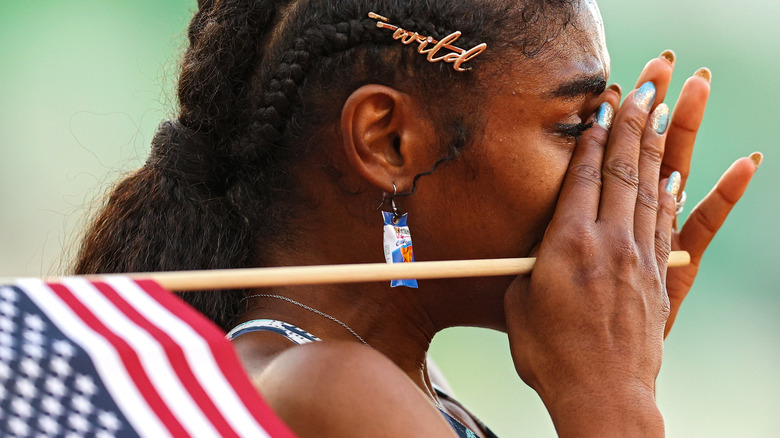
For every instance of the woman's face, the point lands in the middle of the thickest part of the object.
(500, 194)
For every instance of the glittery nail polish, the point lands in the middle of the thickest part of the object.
(673, 186)
(604, 115)
(660, 119)
(757, 158)
(645, 96)
(705, 73)
(669, 56)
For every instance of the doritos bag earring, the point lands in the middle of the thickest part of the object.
(397, 239)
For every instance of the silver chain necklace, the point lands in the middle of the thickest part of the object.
(311, 309)
(337, 321)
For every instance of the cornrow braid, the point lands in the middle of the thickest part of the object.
(221, 58)
(258, 80)
(271, 116)
(288, 75)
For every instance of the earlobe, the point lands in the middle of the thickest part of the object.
(382, 138)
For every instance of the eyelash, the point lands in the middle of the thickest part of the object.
(574, 130)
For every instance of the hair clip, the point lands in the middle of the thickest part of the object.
(457, 57)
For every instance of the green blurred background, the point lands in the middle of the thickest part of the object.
(83, 84)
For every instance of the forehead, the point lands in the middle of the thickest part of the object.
(575, 59)
(587, 33)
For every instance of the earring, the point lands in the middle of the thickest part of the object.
(397, 238)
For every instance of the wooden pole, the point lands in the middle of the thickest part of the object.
(356, 273)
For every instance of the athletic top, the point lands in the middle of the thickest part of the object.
(300, 336)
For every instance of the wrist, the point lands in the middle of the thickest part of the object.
(611, 411)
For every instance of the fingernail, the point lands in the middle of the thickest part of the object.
(660, 118)
(604, 115)
(616, 88)
(757, 158)
(705, 73)
(645, 96)
(669, 56)
(673, 186)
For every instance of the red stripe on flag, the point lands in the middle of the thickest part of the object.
(176, 357)
(225, 356)
(129, 358)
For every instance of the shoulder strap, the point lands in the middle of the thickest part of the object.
(443, 395)
(293, 333)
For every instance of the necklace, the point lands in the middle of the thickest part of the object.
(339, 322)
(311, 309)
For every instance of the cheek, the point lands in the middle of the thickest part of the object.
(533, 169)
(524, 183)
(495, 200)
(545, 176)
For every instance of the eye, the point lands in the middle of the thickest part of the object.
(573, 130)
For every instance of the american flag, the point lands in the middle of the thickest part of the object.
(119, 358)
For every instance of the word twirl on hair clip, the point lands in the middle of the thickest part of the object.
(457, 57)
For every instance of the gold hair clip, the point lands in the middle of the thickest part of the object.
(457, 57)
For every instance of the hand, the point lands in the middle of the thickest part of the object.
(707, 217)
(586, 329)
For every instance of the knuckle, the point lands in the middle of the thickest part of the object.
(580, 244)
(663, 244)
(652, 152)
(586, 173)
(666, 204)
(726, 199)
(698, 215)
(597, 139)
(581, 240)
(590, 278)
(684, 129)
(665, 308)
(622, 171)
(581, 232)
(647, 197)
(625, 252)
(635, 126)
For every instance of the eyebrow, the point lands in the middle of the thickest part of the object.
(580, 86)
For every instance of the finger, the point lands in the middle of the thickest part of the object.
(665, 220)
(686, 119)
(617, 89)
(706, 218)
(581, 190)
(650, 155)
(620, 172)
(659, 71)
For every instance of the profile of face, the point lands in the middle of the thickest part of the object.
(498, 197)
(271, 147)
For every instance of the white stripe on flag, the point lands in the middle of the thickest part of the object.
(107, 362)
(198, 355)
(152, 356)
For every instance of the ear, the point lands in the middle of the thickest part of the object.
(386, 137)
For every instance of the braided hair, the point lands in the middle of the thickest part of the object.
(258, 80)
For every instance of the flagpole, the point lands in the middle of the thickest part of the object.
(353, 273)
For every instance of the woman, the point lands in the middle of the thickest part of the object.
(298, 118)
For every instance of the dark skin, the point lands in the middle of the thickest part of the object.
(599, 302)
